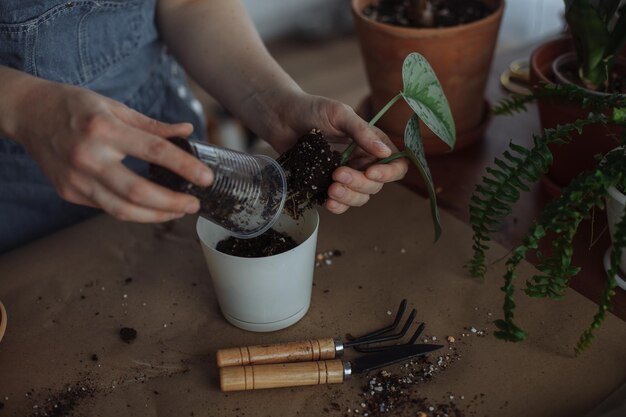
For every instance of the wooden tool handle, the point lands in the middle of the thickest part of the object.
(249, 377)
(304, 351)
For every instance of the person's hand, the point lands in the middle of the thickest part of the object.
(79, 139)
(339, 122)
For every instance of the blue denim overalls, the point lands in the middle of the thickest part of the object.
(109, 46)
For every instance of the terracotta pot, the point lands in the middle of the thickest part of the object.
(580, 154)
(461, 57)
(3, 321)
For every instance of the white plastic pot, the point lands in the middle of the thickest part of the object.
(615, 203)
(263, 294)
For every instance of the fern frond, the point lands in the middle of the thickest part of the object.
(515, 103)
(494, 198)
(562, 92)
(563, 217)
(619, 246)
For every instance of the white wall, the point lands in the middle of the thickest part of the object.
(530, 20)
(277, 17)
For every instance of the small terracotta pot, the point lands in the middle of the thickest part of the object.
(461, 57)
(580, 154)
(3, 321)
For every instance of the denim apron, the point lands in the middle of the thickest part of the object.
(109, 46)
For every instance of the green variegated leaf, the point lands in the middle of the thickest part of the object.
(415, 151)
(423, 93)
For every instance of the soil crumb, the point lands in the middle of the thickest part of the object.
(309, 167)
(428, 13)
(128, 334)
(269, 243)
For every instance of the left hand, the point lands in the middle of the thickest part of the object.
(339, 123)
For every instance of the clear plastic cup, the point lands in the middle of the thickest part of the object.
(248, 192)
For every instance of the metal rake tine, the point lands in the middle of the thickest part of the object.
(411, 341)
(375, 333)
(397, 336)
(417, 333)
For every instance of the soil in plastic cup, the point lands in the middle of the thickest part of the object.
(248, 192)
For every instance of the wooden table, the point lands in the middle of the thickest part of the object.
(68, 296)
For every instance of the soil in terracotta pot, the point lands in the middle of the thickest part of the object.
(428, 13)
(309, 167)
(269, 243)
(616, 85)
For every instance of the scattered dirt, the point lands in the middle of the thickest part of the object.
(128, 334)
(428, 13)
(269, 243)
(63, 403)
(326, 258)
(309, 167)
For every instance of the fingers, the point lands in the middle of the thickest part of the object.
(353, 188)
(371, 139)
(345, 195)
(393, 171)
(159, 151)
(144, 193)
(336, 207)
(356, 181)
(121, 209)
(147, 124)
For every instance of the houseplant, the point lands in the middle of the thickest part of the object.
(560, 219)
(422, 93)
(271, 292)
(593, 51)
(460, 54)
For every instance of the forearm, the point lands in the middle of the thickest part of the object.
(217, 44)
(17, 90)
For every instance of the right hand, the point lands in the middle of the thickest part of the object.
(79, 139)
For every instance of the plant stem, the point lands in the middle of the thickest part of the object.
(392, 157)
(346, 154)
(384, 109)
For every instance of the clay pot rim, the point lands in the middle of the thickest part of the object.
(3, 320)
(543, 77)
(534, 66)
(408, 32)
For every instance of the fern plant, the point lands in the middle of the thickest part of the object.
(511, 176)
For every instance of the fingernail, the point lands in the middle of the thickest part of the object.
(344, 178)
(205, 178)
(339, 192)
(374, 175)
(382, 147)
(333, 204)
(191, 208)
